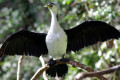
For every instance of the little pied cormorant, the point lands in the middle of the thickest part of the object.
(58, 41)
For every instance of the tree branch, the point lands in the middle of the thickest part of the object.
(19, 65)
(80, 76)
(73, 63)
(43, 64)
(39, 72)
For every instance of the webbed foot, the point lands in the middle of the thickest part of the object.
(51, 62)
(64, 60)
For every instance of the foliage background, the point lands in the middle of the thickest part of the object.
(31, 14)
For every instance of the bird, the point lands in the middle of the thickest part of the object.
(58, 41)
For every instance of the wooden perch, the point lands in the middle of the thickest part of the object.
(43, 64)
(80, 76)
(73, 63)
(40, 72)
(19, 65)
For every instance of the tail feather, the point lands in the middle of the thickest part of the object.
(60, 70)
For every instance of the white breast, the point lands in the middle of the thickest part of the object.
(56, 41)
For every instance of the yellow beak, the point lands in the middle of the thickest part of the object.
(47, 6)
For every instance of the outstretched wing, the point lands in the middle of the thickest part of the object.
(89, 33)
(25, 43)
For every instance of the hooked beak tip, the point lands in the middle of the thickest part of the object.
(46, 6)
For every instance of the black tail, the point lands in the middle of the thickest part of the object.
(59, 70)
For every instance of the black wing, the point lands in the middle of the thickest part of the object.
(88, 33)
(25, 43)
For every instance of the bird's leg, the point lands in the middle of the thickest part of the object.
(51, 62)
(63, 59)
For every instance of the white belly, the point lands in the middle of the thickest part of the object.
(56, 44)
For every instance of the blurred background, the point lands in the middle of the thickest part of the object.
(33, 16)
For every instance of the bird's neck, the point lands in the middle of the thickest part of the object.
(54, 22)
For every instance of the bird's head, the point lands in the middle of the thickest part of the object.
(52, 7)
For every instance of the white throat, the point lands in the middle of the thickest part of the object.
(54, 22)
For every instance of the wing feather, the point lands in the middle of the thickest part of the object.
(25, 43)
(89, 33)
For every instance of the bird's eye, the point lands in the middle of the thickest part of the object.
(51, 5)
